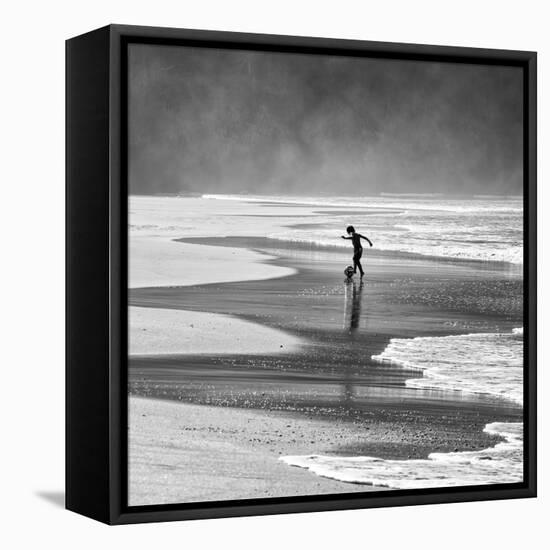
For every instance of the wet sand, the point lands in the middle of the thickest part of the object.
(400, 296)
(364, 407)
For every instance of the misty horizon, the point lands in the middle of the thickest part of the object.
(450, 196)
(244, 122)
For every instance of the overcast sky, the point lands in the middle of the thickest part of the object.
(227, 121)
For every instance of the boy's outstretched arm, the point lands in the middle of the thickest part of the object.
(347, 238)
(366, 239)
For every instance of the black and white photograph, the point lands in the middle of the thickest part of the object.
(274, 275)
(325, 274)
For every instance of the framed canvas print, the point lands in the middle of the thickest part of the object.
(300, 274)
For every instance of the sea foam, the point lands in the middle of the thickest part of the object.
(502, 463)
(486, 363)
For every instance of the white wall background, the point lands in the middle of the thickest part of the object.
(32, 253)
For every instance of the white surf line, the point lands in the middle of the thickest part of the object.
(502, 463)
(372, 202)
(453, 362)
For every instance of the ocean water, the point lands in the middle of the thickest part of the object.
(490, 364)
(476, 228)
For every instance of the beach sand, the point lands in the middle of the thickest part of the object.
(155, 331)
(160, 262)
(225, 418)
(193, 453)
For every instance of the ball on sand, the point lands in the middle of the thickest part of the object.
(348, 271)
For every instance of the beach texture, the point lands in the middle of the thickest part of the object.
(174, 331)
(268, 358)
(192, 453)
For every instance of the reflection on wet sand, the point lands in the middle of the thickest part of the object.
(352, 310)
(353, 292)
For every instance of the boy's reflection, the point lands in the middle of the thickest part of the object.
(352, 313)
(352, 317)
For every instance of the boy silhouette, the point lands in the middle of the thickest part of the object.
(357, 248)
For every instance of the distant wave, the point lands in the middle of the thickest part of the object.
(428, 227)
(499, 197)
(402, 238)
(412, 195)
(377, 202)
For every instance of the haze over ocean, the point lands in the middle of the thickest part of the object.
(231, 121)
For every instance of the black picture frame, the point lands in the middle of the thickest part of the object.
(96, 267)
